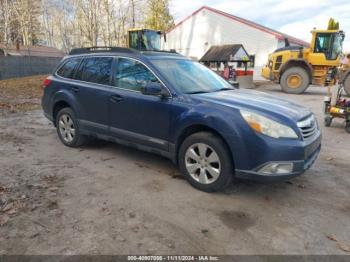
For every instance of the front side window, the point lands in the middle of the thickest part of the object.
(95, 70)
(67, 70)
(132, 75)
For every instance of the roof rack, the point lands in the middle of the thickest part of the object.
(172, 51)
(100, 49)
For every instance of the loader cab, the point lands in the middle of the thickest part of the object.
(144, 39)
(327, 44)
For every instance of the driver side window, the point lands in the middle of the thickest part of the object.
(323, 42)
(132, 75)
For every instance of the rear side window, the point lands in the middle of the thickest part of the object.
(132, 75)
(67, 70)
(95, 70)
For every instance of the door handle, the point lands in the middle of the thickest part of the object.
(75, 89)
(116, 98)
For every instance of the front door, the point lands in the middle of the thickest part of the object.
(139, 118)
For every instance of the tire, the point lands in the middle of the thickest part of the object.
(296, 75)
(198, 163)
(68, 129)
(347, 85)
(347, 127)
(328, 121)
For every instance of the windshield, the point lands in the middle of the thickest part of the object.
(330, 44)
(191, 77)
(150, 40)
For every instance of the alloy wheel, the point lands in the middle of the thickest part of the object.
(66, 128)
(202, 163)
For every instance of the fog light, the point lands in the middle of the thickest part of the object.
(276, 168)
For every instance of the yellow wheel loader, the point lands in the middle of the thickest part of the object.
(144, 39)
(296, 67)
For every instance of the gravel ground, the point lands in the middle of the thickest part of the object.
(109, 199)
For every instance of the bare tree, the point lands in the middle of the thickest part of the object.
(27, 13)
(73, 23)
(19, 21)
(5, 21)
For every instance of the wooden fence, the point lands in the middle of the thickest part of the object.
(20, 66)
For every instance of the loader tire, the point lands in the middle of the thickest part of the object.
(295, 80)
(347, 84)
(347, 127)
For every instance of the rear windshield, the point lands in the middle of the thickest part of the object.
(191, 77)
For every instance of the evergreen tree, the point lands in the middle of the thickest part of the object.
(158, 16)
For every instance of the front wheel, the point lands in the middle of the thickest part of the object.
(206, 162)
(347, 84)
(295, 80)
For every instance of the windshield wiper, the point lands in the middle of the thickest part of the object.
(224, 89)
(202, 92)
(198, 92)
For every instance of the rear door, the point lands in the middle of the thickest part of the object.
(92, 90)
(144, 119)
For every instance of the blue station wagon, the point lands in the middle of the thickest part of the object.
(164, 103)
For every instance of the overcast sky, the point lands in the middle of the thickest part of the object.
(294, 17)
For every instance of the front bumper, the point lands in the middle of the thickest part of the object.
(311, 152)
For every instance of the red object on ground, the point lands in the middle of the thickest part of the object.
(244, 73)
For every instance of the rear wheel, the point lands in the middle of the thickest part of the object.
(347, 126)
(347, 84)
(68, 128)
(206, 162)
(295, 80)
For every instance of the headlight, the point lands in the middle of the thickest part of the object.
(267, 126)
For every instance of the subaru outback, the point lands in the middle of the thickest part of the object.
(165, 103)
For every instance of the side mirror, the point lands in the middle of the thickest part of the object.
(154, 89)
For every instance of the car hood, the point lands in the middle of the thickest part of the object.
(256, 101)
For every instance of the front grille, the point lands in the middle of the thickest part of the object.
(308, 127)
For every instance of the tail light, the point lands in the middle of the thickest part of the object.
(47, 82)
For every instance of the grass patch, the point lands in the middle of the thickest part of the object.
(21, 94)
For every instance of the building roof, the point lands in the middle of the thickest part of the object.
(257, 26)
(45, 51)
(225, 53)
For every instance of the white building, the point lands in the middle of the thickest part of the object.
(207, 26)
